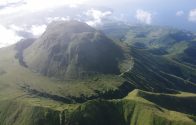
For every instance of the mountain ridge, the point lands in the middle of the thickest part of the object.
(66, 50)
(123, 84)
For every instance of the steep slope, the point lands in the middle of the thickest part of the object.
(182, 102)
(132, 110)
(17, 113)
(73, 49)
(173, 43)
(160, 74)
(75, 75)
(164, 59)
(90, 58)
(126, 112)
(187, 56)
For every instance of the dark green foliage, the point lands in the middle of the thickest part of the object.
(175, 103)
(20, 47)
(189, 55)
(120, 92)
(122, 112)
(159, 74)
(16, 113)
(97, 113)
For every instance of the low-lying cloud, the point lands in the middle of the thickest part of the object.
(180, 13)
(96, 16)
(192, 15)
(143, 16)
(38, 30)
(51, 19)
(8, 37)
(34, 5)
(12, 34)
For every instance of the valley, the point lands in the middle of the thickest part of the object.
(78, 75)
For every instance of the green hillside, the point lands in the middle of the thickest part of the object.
(160, 74)
(131, 110)
(73, 49)
(77, 75)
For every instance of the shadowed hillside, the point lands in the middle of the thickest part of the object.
(76, 75)
(73, 49)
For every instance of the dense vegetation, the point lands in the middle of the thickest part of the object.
(122, 75)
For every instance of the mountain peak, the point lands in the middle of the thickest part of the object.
(69, 27)
(72, 49)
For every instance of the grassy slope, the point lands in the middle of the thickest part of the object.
(15, 113)
(15, 76)
(126, 112)
(17, 107)
(132, 110)
(182, 102)
(173, 43)
(163, 58)
(159, 74)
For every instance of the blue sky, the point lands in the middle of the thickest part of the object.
(29, 18)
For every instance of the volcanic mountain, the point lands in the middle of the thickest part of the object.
(118, 75)
(73, 49)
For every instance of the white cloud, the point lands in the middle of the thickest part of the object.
(36, 5)
(179, 13)
(16, 28)
(96, 16)
(38, 30)
(73, 5)
(8, 36)
(144, 16)
(51, 19)
(192, 15)
(6, 2)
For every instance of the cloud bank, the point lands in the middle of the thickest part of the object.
(179, 13)
(27, 18)
(192, 15)
(37, 30)
(26, 6)
(8, 36)
(96, 16)
(143, 16)
(51, 19)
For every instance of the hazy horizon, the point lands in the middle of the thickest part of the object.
(29, 18)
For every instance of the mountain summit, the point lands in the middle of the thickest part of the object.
(70, 76)
(72, 49)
